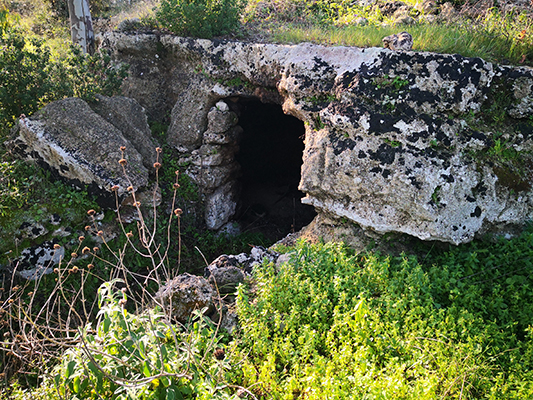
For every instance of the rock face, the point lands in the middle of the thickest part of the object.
(184, 294)
(83, 147)
(435, 146)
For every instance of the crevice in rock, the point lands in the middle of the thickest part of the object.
(270, 157)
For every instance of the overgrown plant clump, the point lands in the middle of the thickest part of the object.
(200, 18)
(332, 324)
(143, 356)
(32, 77)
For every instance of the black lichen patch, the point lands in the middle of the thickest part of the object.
(385, 154)
(479, 190)
(321, 65)
(341, 144)
(415, 182)
(476, 213)
(382, 123)
(349, 80)
(448, 178)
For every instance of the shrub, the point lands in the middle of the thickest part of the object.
(200, 18)
(129, 356)
(32, 78)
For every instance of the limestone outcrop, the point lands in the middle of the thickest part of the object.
(435, 146)
(83, 146)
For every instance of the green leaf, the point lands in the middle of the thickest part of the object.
(106, 324)
(76, 384)
(147, 369)
(171, 394)
(176, 393)
(70, 369)
(165, 381)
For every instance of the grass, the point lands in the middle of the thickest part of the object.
(429, 38)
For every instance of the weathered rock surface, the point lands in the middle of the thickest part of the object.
(184, 294)
(129, 117)
(37, 261)
(395, 141)
(400, 42)
(82, 147)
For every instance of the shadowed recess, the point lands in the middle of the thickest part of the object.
(270, 156)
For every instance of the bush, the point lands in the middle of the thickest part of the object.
(128, 356)
(200, 18)
(31, 77)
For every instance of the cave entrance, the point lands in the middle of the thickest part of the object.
(270, 156)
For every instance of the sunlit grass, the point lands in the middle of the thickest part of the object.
(448, 39)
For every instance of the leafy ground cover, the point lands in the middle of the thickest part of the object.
(333, 324)
(329, 323)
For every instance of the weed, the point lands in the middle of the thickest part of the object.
(322, 99)
(386, 81)
(318, 124)
(435, 196)
(392, 143)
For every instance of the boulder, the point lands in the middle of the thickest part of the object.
(184, 294)
(431, 145)
(80, 146)
(129, 117)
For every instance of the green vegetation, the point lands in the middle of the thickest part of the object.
(34, 78)
(143, 350)
(200, 18)
(329, 323)
(332, 324)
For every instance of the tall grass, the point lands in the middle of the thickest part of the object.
(448, 39)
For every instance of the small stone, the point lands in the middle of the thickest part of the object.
(399, 42)
(222, 106)
(220, 121)
(32, 230)
(184, 294)
(448, 12)
(404, 20)
(225, 279)
(55, 219)
(427, 7)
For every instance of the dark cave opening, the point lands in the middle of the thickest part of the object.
(270, 156)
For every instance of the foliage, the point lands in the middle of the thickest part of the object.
(33, 78)
(11, 192)
(331, 324)
(200, 18)
(28, 194)
(143, 356)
